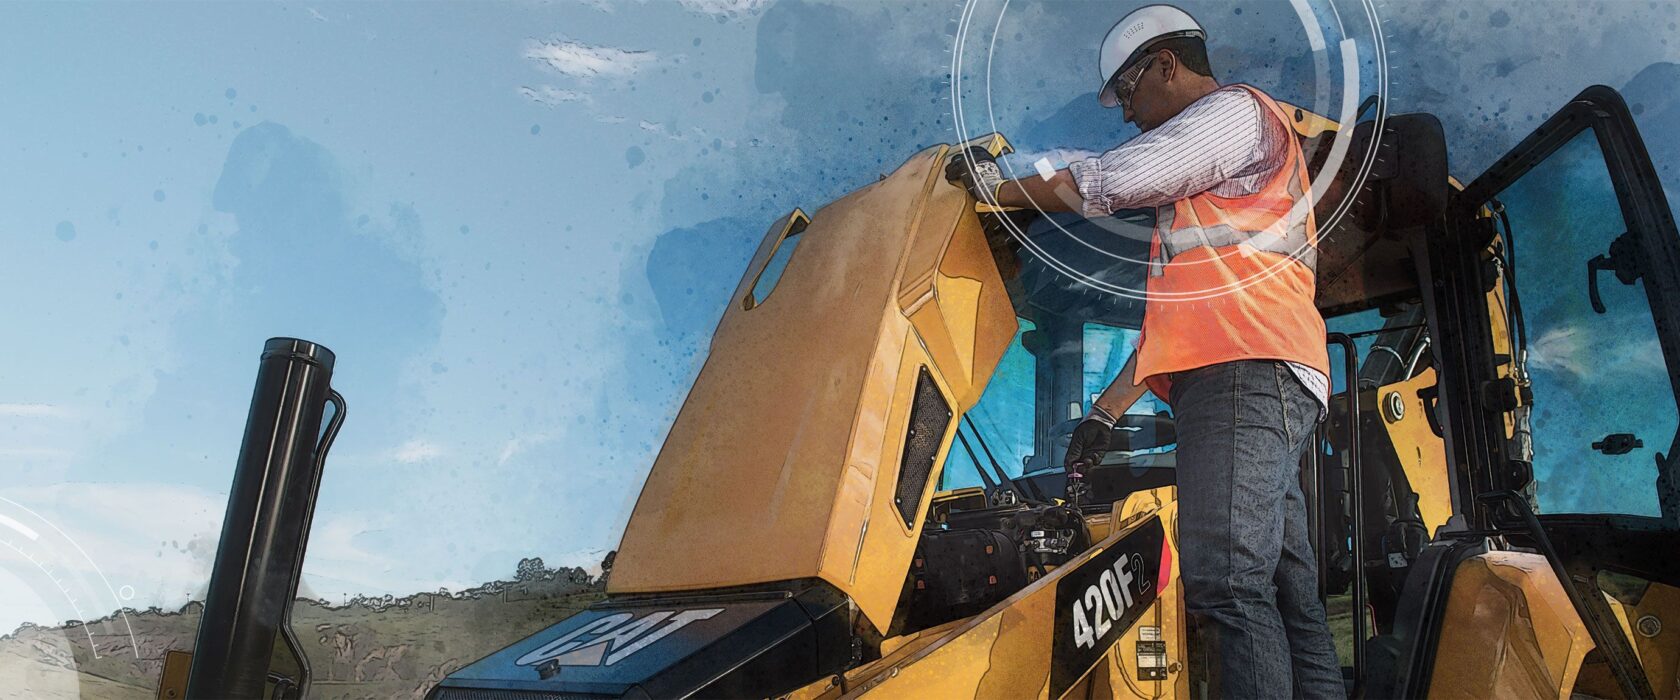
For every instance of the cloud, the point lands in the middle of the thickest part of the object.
(155, 543)
(580, 60)
(152, 541)
(416, 450)
(345, 560)
(520, 444)
(726, 8)
(588, 559)
(1559, 349)
(31, 410)
(551, 96)
(1583, 353)
(674, 135)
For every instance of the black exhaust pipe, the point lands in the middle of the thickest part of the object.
(259, 559)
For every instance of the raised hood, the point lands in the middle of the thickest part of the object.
(784, 462)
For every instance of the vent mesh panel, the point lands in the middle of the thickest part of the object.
(930, 417)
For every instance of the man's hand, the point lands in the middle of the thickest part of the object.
(976, 170)
(1090, 440)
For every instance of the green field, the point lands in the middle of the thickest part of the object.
(1340, 611)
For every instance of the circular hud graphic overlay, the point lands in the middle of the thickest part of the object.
(70, 587)
(1331, 61)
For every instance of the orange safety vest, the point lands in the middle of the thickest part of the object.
(1232, 278)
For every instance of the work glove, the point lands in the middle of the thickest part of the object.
(1090, 440)
(975, 170)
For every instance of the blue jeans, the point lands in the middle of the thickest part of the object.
(1250, 578)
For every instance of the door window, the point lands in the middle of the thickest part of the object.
(1603, 406)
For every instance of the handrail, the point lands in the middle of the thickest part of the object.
(1350, 365)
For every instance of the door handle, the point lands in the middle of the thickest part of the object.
(1618, 444)
(1622, 259)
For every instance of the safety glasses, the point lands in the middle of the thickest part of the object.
(1126, 83)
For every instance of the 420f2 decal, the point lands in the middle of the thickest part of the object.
(1097, 602)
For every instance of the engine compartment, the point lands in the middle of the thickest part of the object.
(969, 559)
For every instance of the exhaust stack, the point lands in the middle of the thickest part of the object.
(260, 556)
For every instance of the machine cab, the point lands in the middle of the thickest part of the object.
(1506, 358)
(1561, 294)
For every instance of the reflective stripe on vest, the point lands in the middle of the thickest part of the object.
(1295, 243)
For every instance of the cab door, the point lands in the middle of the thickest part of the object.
(1577, 421)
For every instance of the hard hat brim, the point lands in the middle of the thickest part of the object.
(1107, 97)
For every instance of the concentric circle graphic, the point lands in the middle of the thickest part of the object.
(66, 582)
(1348, 54)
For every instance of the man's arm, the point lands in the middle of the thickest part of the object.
(1220, 137)
(977, 171)
(1123, 391)
(1215, 139)
(1089, 441)
(1059, 193)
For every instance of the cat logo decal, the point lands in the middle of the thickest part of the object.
(611, 639)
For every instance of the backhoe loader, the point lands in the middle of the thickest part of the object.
(862, 494)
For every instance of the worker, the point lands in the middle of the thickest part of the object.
(1230, 338)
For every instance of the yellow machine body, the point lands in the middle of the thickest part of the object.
(1005, 652)
(782, 462)
(1514, 632)
(793, 430)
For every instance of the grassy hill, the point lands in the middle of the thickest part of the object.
(370, 648)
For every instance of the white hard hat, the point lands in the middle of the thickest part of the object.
(1142, 27)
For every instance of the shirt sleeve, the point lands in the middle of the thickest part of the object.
(1219, 137)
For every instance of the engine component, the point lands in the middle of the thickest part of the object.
(957, 573)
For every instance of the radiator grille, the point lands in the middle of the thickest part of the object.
(930, 417)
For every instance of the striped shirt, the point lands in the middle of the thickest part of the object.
(1225, 143)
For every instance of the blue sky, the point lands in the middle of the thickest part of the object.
(516, 224)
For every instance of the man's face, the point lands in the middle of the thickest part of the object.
(1146, 108)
